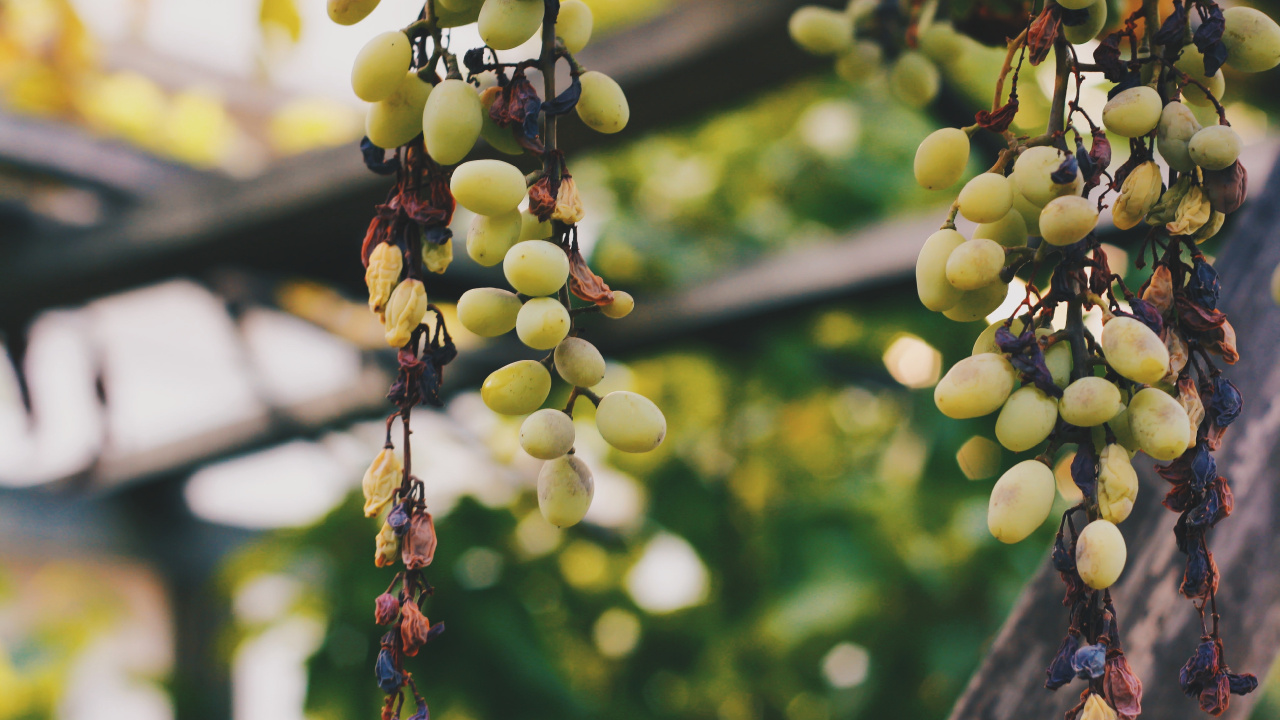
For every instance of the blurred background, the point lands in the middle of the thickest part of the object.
(192, 385)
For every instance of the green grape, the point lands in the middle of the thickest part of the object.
(516, 389)
(914, 79)
(1031, 176)
(547, 434)
(1090, 401)
(1020, 501)
(1089, 29)
(1124, 434)
(1010, 231)
(542, 323)
(501, 139)
(975, 305)
(579, 362)
(975, 264)
(1075, 4)
(1159, 424)
(488, 312)
(621, 306)
(1275, 285)
(487, 187)
(630, 422)
(602, 105)
(859, 62)
(1177, 126)
(573, 25)
(986, 341)
(1117, 484)
(380, 66)
(986, 198)
(1067, 487)
(565, 489)
(936, 293)
(1191, 62)
(1067, 220)
(820, 30)
(1134, 350)
(1215, 147)
(458, 5)
(1100, 554)
(1252, 39)
(941, 158)
(396, 120)
(942, 44)
(489, 237)
(536, 267)
(450, 18)
(977, 385)
(350, 12)
(451, 122)
(1134, 112)
(1030, 213)
(1026, 419)
(505, 24)
(531, 228)
(1058, 359)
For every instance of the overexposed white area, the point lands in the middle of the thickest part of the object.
(846, 665)
(265, 598)
(269, 670)
(669, 576)
(913, 362)
(295, 361)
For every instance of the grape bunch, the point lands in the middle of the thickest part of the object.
(429, 109)
(1150, 382)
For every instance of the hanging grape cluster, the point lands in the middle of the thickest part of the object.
(1151, 381)
(429, 109)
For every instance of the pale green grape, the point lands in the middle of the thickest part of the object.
(396, 120)
(977, 385)
(975, 264)
(1134, 350)
(975, 305)
(1026, 419)
(1031, 176)
(451, 122)
(1100, 554)
(986, 198)
(579, 362)
(859, 62)
(1009, 231)
(488, 312)
(1020, 501)
(458, 5)
(942, 44)
(1191, 62)
(1058, 359)
(936, 293)
(449, 18)
(505, 24)
(547, 434)
(1124, 433)
(350, 12)
(1275, 285)
(1089, 401)
(941, 158)
(1133, 112)
(1089, 29)
(602, 105)
(536, 267)
(1252, 39)
(573, 25)
(1075, 4)
(489, 237)
(1030, 213)
(621, 306)
(1159, 424)
(501, 139)
(542, 323)
(531, 228)
(630, 422)
(1117, 484)
(380, 66)
(986, 341)
(1215, 147)
(914, 79)
(1067, 220)
(820, 30)
(516, 389)
(565, 489)
(1177, 126)
(487, 187)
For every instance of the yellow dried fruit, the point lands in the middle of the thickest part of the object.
(568, 208)
(1138, 194)
(405, 310)
(387, 547)
(385, 264)
(381, 480)
(436, 257)
(1166, 209)
(1192, 213)
(1179, 353)
(1210, 228)
(1095, 708)
(1159, 290)
(1189, 399)
(1117, 484)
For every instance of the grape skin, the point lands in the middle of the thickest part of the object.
(1067, 220)
(350, 12)
(975, 264)
(1089, 29)
(536, 267)
(935, 292)
(489, 237)
(542, 323)
(914, 79)
(986, 198)
(1031, 175)
(1134, 350)
(451, 121)
(621, 306)
(1191, 62)
(500, 139)
(516, 389)
(1159, 424)
(487, 187)
(1100, 554)
(977, 385)
(1020, 501)
(573, 25)
(380, 66)
(820, 30)
(1216, 147)
(986, 341)
(505, 24)
(602, 105)
(1067, 487)
(1089, 401)
(1117, 484)
(941, 158)
(1009, 231)
(547, 434)
(1133, 112)
(1030, 212)
(859, 62)
(1177, 126)
(1059, 361)
(531, 228)
(565, 489)
(1026, 419)
(579, 362)
(488, 312)
(630, 422)
(396, 120)
(1252, 39)
(975, 305)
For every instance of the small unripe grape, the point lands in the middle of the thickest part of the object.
(579, 362)
(1252, 39)
(986, 198)
(975, 264)
(516, 389)
(1159, 424)
(975, 305)
(1032, 176)
(505, 24)
(1117, 484)
(380, 66)
(573, 25)
(1020, 501)
(1067, 487)
(1009, 231)
(350, 12)
(1134, 350)
(1177, 126)
(536, 267)
(1133, 112)
(1191, 62)
(489, 237)
(602, 105)
(565, 489)
(859, 62)
(450, 18)
(941, 158)
(621, 306)
(1090, 401)
(1089, 29)
(1026, 419)
(942, 44)
(914, 79)
(1067, 220)
(542, 323)
(547, 434)
(1100, 554)
(487, 187)
(1124, 434)
(936, 293)
(1058, 359)
(986, 341)
(820, 30)
(1139, 193)
(977, 385)
(630, 422)
(451, 122)
(488, 312)
(396, 120)
(1215, 147)
(1030, 212)
(531, 228)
